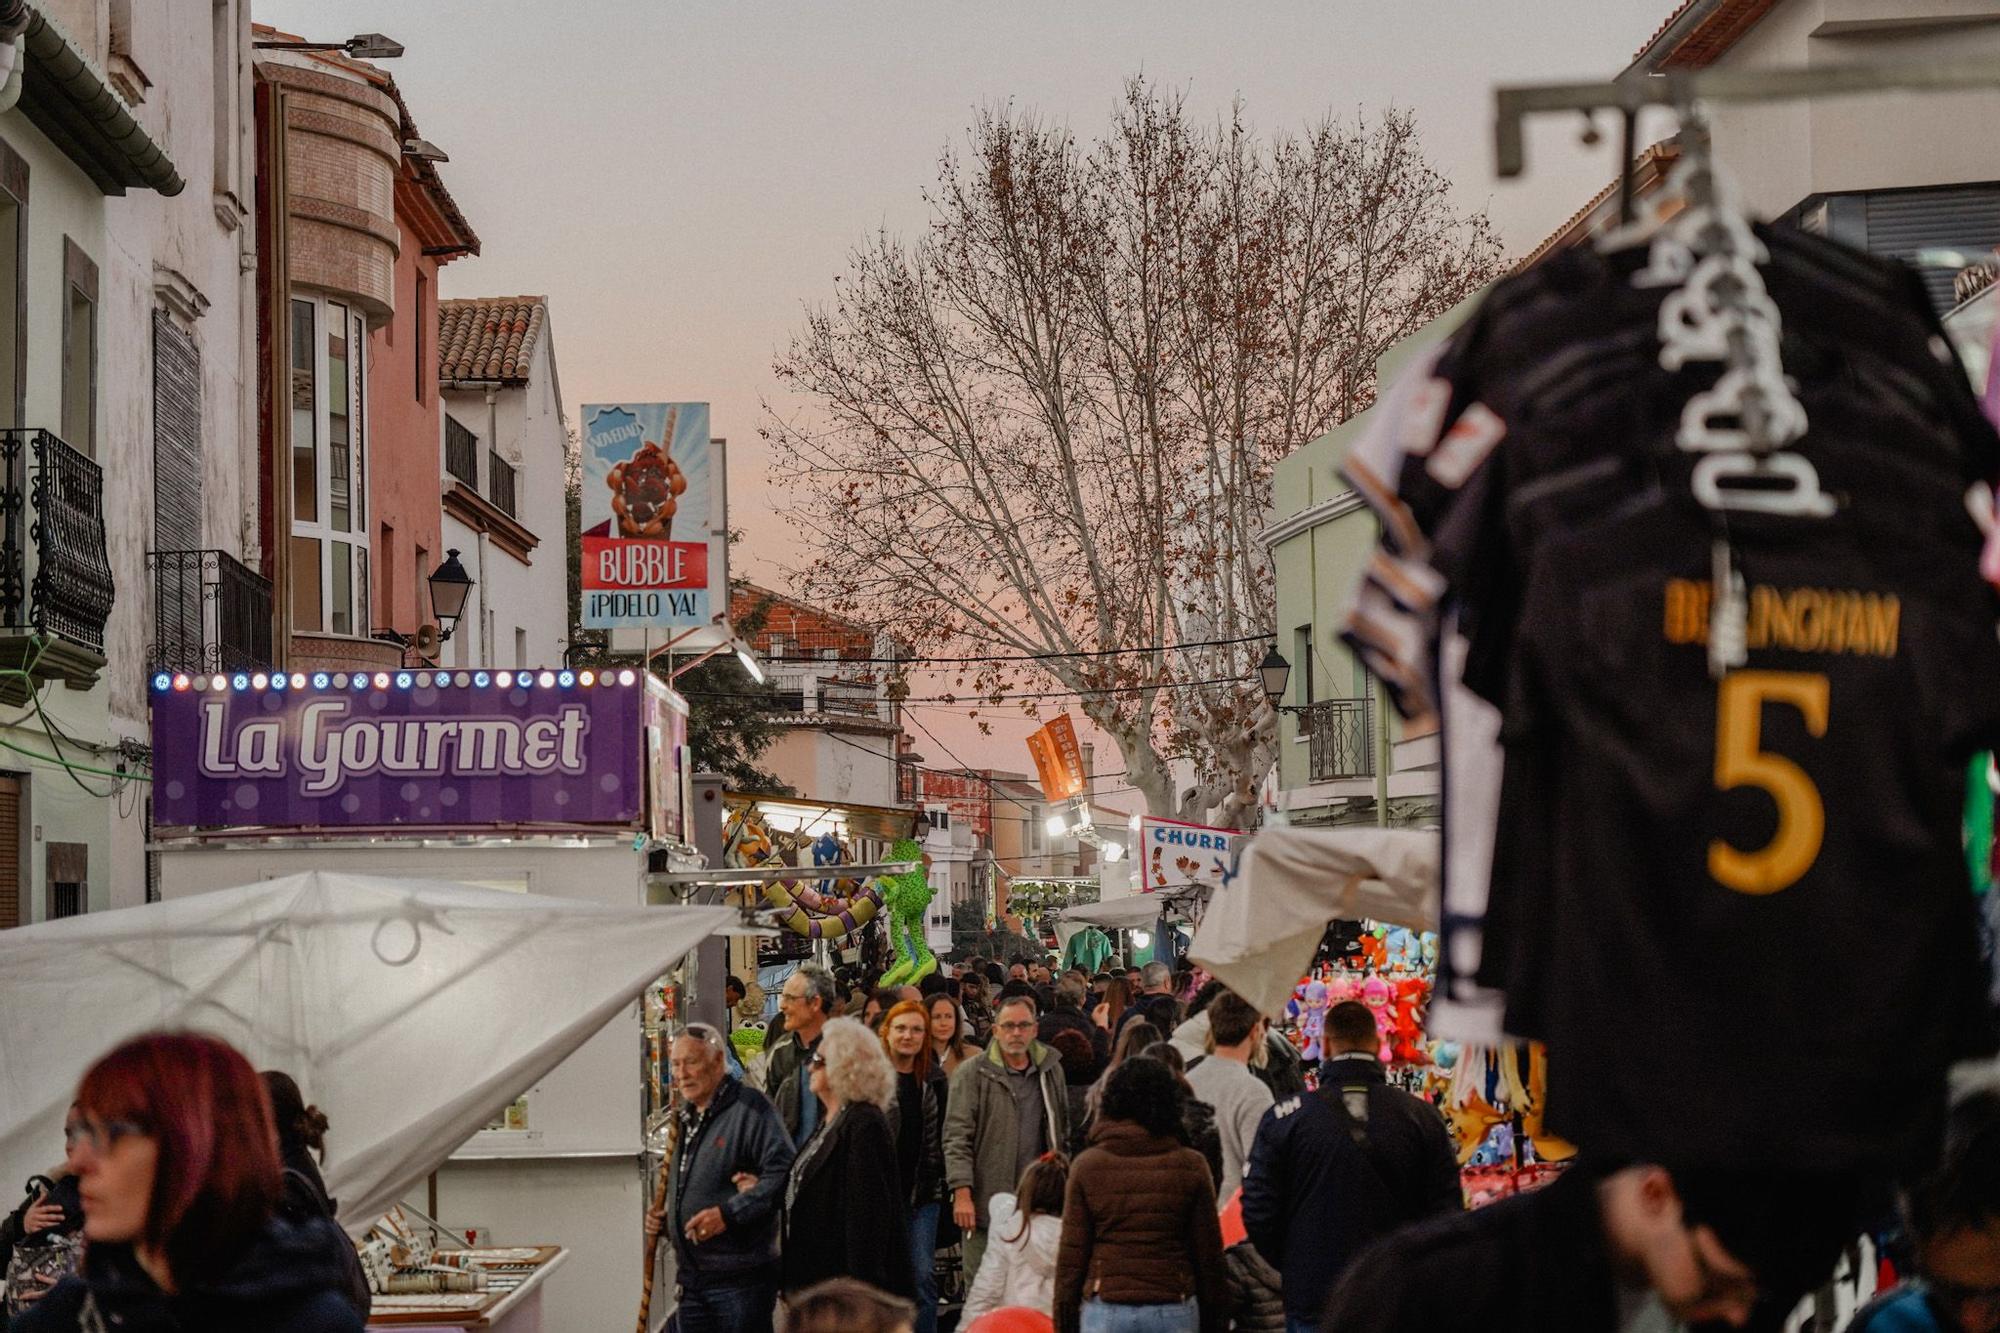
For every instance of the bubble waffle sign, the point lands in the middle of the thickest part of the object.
(410, 748)
(649, 487)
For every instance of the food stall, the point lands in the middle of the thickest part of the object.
(559, 783)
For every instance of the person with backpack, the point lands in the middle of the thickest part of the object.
(1019, 1271)
(1334, 1169)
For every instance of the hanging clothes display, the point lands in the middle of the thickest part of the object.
(1675, 541)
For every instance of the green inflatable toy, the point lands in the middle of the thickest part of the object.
(906, 896)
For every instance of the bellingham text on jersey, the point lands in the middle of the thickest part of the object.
(1799, 620)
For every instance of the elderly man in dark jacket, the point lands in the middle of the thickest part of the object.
(1332, 1170)
(725, 1238)
(1067, 1014)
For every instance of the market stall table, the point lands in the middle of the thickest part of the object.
(512, 1304)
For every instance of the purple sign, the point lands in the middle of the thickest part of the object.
(423, 749)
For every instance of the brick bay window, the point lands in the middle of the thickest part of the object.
(329, 556)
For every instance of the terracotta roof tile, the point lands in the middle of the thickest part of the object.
(1711, 37)
(489, 337)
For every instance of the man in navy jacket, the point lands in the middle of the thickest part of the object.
(1334, 1169)
(725, 1237)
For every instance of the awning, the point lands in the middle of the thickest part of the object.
(65, 97)
(1137, 911)
(1263, 926)
(408, 1010)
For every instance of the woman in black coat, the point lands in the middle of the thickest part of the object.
(845, 1212)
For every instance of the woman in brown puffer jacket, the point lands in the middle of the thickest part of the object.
(1141, 1245)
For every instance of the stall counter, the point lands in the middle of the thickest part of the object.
(515, 1308)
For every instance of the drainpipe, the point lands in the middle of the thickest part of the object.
(491, 389)
(14, 18)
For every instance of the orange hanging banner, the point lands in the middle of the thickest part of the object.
(1058, 759)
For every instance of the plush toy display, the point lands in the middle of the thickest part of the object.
(906, 896)
(748, 844)
(1308, 1009)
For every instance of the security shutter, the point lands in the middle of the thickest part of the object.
(176, 438)
(10, 852)
(1959, 217)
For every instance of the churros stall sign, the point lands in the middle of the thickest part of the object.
(648, 482)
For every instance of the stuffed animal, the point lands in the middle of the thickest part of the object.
(1308, 1011)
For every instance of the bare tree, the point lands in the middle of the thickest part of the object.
(1048, 426)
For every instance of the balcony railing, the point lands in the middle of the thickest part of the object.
(210, 613)
(69, 592)
(1341, 735)
(500, 474)
(461, 452)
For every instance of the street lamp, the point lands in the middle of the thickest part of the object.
(450, 586)
(1276, 671)
(362, 46)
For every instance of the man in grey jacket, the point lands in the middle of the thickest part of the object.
(1006, 1108)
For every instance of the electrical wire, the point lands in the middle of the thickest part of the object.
(1032, 657)
(983, 700)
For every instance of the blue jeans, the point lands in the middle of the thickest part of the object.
(1104, 1317)
(715, 1307)
(923, 1258)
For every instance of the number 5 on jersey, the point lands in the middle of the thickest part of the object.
(1740, 761)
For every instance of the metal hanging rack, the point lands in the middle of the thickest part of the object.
(1680, 89)
(1742, 426)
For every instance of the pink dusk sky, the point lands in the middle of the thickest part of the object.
(681, 177)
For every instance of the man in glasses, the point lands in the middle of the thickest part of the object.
(1631, 1247)
(807, 1001)
(1953, 1218)
(1004, 1109)
(724, 1194)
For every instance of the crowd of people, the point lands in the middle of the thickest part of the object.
(1074, 1139)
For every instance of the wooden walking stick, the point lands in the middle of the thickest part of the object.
(659, 1206)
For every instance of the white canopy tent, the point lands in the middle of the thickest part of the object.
(408, 1010)
(1263, 926)
(1138, 911)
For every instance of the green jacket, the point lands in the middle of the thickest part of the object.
(979, 1131)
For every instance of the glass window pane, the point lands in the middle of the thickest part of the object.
(342, 600)
(339, 455)
(306, 585)
(305, 417)
(364, 622)
(358, 418)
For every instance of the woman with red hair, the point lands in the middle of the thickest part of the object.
(920, 1106)
(178, 1157)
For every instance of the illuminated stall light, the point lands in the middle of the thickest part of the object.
(260, 681)
(503, 678)
(627, 676)
(239, 682)
(546, 680)
(565, 678)
(163, 681)
(180, 682)
(381, 680)
(321, 680)
(587, 678)
(481, 679)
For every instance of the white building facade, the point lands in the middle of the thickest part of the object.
(501, 460)
(128, 462)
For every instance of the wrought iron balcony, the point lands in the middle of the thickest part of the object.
(1341, 736)
(55, 602)
(211, 612)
